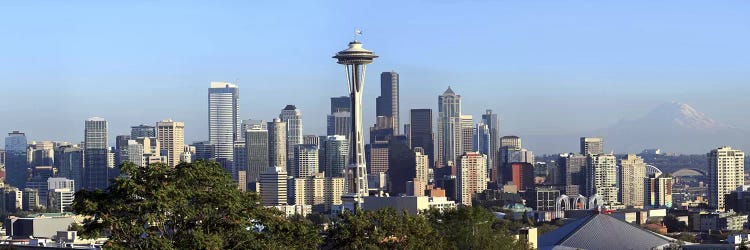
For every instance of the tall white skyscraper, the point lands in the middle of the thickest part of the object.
(277, 155)
(224, 120)
(601, 177)
(293, 119)
(633, 174)
(96, 153)
(726, 172)
(449, 128)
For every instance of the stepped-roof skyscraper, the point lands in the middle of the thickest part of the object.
(449, 128)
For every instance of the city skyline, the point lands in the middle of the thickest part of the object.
(673, 66)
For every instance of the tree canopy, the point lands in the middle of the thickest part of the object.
(190, 206)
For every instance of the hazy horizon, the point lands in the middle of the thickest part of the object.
(547, 68)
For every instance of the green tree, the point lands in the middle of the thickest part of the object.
(383, 229)
(473, 228)
(190, 206)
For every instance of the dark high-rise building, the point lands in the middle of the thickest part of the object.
(401, 166)
(71, 164)
(521, 174)
(142, 131)
(240, 159)
(572, 167)
(121, 149)
(339, 123)
(382, 131)
(204, 150)
(341, 104)
(16, 159)
(493, 124)
(256, 142)
(421, 132)
(96, 153)
(387, 103)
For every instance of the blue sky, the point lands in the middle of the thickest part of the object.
(547, 67)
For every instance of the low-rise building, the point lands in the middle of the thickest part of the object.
(722, 221)
(291, 210)
(39, 225)
(412, 204)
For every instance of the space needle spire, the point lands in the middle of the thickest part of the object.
(355, 60)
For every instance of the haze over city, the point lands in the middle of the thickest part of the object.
(547, 68)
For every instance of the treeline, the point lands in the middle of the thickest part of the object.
(198, 206)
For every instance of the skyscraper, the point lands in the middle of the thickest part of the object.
(16, 159)
(256, 143)
(240, 162)
(341, 104)
(378, 157)
(493, 125)
(273, 186)
(311, 139)
(293, 119)
(659, 191)
(318, 191)
(305, 160)
(224, 125)
(510, 141)
(339, 123)
(592, 145)
(142, 131)
(355, 58)
(382, 131)
(482, 144)
(449, 128)
(521, 174)
(387, 104)
(601, 177)
(422, 167)
(421, 132)
(171, 136)
(121, 149)
(134, 153)
(471, 176)
(633, 173)
(277, 143)
(573, 168)
(96, 154)
(726, 171)
(41, 153)
(71, 164)
(337, 155)
(467, 133)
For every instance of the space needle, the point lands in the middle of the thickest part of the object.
(355, 60)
